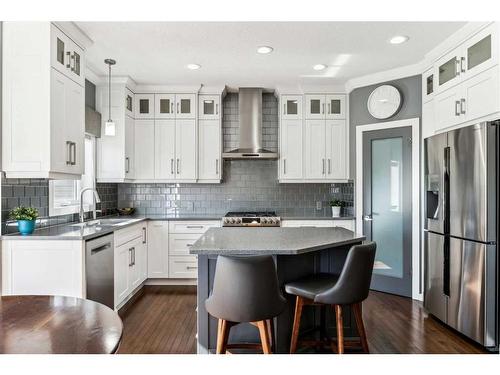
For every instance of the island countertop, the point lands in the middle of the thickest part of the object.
(272, 241)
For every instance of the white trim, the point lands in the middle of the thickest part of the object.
(416, 233)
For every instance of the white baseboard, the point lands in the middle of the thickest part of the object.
(171, 282)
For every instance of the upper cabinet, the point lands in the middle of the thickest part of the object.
(291, 106)
(209, 107)
(129, 103)
(43, 103)
(319, 107)
(463, 86)
(185, 105)
(165, 106)
(209, 138)
(144, 106)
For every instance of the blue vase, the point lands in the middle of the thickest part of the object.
(26, 226)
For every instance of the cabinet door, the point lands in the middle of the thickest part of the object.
(448, 71)
(336, 158)
(315, 107)
(209, 156)
(315, 163)
(480, 52)
(164, 106)
(209, 107)
(428, 119)
(183, 267)
(291, 107)
(158, 249)
(60, 47)
(129, 148)
(129, 103)
(291, 146)
(123, 262)
(135, 272)
(428, 85)
(165, 149)
(77, 64)
(447, 108)
(75, 126)
(185, 149)
(144, 149)
(60, 145)
(144, 106)
(185, 106)
(335, 107)
(480, 95)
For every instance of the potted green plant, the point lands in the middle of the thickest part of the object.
(336, 206)
(26, 218)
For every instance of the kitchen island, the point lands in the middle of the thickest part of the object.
(297, 252)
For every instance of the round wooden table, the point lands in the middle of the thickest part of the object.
(57, 325)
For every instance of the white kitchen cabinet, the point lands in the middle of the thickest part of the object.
(158, 249)
(164, 149)
(183, 267)
(447, 108)
(347, 224)
(428, 123)
(291, 150)
(129, 148)
(315, 149)
(185, 106)
(43, 122)
(144, 106)
(129, 103)
(196, 227)
(210, 149)
(144, 149)
(122, 281)
(66, 56)
(315, 107)
(43, 267)
(179, 243)
(335, 107)
(185, 149)
(209, 107)
(335, 150)
(138, 251)
(428, 85)
(164, 106)
(291, 107)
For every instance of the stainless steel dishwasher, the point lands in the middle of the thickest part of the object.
(99, 270)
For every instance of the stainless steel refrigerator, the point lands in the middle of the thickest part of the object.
(461, 216)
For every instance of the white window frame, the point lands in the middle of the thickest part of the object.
(75, 208)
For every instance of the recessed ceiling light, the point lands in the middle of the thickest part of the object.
(264, 49)
(398, 39)
(319, 66)
(194, 66)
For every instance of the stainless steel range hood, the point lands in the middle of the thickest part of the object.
(250, 142)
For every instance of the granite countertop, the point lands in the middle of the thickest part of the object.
(71, 232)
(271, 241)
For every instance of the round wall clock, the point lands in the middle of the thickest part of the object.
(384, 102)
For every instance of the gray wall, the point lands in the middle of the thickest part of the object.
(411, 90)
(247, 185)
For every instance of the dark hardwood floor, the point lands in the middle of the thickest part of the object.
(163, 320)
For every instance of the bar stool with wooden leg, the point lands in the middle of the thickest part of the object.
(350, 288)
(245, 291)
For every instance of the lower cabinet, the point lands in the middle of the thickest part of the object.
(168, 248)
(347, 224)
(130, 261)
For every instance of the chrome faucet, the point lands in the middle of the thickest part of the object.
(94, 211)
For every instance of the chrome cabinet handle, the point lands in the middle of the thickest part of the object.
(191, 268)
(216, 109)
(323, 161)
(329, 110)
(462, 106)
(462, 64)
(178, 169)
(127, 164)
(457, 67)
(172, 107)
(68, 152)
(329, 166)
(189, 244)
(284, 166)
(171, 166)
(284, 108)
(194, 226)
(323, 109)
(177, 107)
(68, 55)
(144, 235)
(133, 254)
(216, 166)
(457, 111)
(130, 264)
(72, 63)
(74, 154)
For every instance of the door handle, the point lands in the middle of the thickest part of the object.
(457, 67)
(100, 248)
(329, 109)
(68, 55)
(323, 109)
(172, 107)
(462, 64)
(329, 166)
(68, 152)
(284, 109)
(171, 166)
(462, 106)
(72, 63)
(368, 218)
(323, 161)
(133, 254)
(284, 166)
(127, 164)
(144, 235)
(130, 264)
(217, 166)
(216, 109)
(177, 107)
(457, 104)
(178, 168)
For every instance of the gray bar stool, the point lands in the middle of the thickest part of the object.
(351, 288)
(245, 291)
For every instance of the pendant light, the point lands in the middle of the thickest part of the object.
(109, 125)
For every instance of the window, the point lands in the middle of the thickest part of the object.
(64, 195)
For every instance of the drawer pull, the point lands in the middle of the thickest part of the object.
(189, 244)
(191, 267)
(194, 226)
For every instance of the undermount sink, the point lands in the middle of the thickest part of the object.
(101, 222)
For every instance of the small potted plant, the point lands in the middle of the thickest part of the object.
(336, 207)
(26, 218)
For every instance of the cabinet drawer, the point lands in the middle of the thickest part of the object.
(183, 267)
(192, 226)
(307, 223)
(123, 236)
(179, 244)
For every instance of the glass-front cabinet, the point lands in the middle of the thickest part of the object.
(164, 105)
(315, 107)
(335, 107)
(185, 106)
(144, 106)
(129, 103)
(209, 107)
(291, 107)
(66, 56)
(428, 85)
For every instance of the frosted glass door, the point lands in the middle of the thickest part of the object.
(387, 206)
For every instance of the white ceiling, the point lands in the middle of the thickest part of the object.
(158, 52)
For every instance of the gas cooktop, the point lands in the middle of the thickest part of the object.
(251, 219)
